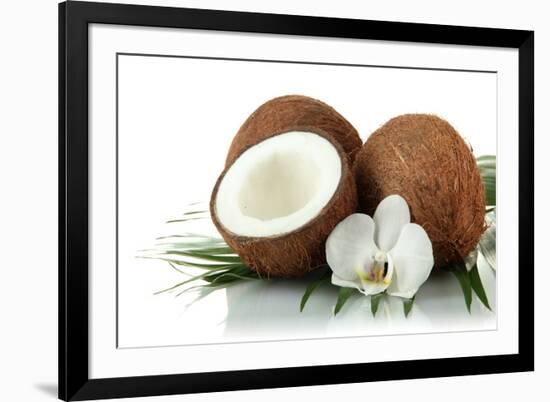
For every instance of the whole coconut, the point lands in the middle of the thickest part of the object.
(422, 158)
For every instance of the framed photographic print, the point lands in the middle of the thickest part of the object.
(258, 200)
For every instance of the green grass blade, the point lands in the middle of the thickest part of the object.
(460, 272)
(489, 185)
(213, 251)
(190, 235)
(408, 305)
(220, 263)
(177, 269)
(231, 276)
(210, 267)
(477, 286)
(198, 248)
(490, 192)
(226, 274)
(203, 211)
(343, 296)
(189, 289)
(487, 169)
(204, 256)
(486, 160)
(194, 247)
(177, 285)
(223, 278)
(310, 289)
(488, 241)
(192, 264)
(192, 242)
(375, 302)
(180, 220)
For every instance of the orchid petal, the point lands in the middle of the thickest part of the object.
(373, 288)
(391, 215)
(351, 245)
(337, 281)
(413, 261)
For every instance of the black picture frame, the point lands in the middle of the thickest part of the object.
(74, 381)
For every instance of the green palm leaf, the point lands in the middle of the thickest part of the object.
(487, 170)
(343, 295)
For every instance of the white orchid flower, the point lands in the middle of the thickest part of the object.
(387, 253)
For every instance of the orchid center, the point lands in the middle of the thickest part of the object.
(379, 272)
(380, 257)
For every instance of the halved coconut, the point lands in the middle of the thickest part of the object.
(292, 113)
(278, 201)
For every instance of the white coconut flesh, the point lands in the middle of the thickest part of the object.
(278, 185)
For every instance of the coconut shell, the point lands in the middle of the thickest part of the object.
(422, 158)
(290, 113)
(303, 250)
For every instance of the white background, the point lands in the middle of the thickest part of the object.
(29, 175)
(177, 118)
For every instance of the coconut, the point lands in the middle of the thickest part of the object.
(422, 158)
(294, 113)
(277, 202)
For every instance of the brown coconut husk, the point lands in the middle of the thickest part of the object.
(422, 158)
(289, 113)
(301, 251)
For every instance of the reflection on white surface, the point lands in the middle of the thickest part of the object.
(269, 310)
